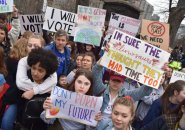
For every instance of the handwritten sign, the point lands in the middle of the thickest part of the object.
(135, 59)
(32, 23)
(74, 106)
(155, 33)
(177, 75)
(123, 23)
(56, 19)
(90, 22)
(6, 6)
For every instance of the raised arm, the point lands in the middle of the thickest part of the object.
(98, 85)
(138, 93)
(13, 34)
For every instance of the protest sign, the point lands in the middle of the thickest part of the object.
(70, 77)
(6, 6)
(56, 19)
(155, 33)
(32, 23)
(177, 75)
(90, 22)
(123, 23)
(135, 59)
(74, 106)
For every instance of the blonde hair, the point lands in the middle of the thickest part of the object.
(126, 101)
(38, 36)
(19, 49)
(27, 34)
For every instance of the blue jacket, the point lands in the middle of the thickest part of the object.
(106, 124)
(98, 86)
(61, 69)
(157, 124)
(155, 111)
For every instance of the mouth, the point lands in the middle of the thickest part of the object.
(80, 91)
(117, 123)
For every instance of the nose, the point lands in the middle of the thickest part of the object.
(85, 61)
(34, 73)
(82, 86)
(118, 117)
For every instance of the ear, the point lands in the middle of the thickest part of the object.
(175, 93)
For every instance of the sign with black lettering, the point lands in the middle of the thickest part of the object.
(32, 23)
(155, 33)
(56, 19)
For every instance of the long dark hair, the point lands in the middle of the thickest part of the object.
(3, 69)
(88, 75)
(178, 110)
(169, 92)
(6, 46)
(4, 28)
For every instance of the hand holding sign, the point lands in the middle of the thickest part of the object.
(15, 12)
(73, 106)
(47, 103)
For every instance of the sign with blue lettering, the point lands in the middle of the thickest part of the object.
(6, 6)
(74, 106)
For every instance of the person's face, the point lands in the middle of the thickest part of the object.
(38, 73)
(115, 85)
(82, 84)
(79, 61)
(87, 62)
(88, 47)
(33, 43)
(61, 42)
(63, 81)
(2, 35)
(169, 72)
(121, 116)
(180, 96)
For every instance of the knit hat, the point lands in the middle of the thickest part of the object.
(2, 80)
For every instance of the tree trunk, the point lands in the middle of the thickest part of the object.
(175, 18)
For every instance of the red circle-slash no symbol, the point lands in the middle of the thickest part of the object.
(156, 29)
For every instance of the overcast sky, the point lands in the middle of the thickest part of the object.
(159, 7)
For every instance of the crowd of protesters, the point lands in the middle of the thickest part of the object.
(31, 65)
